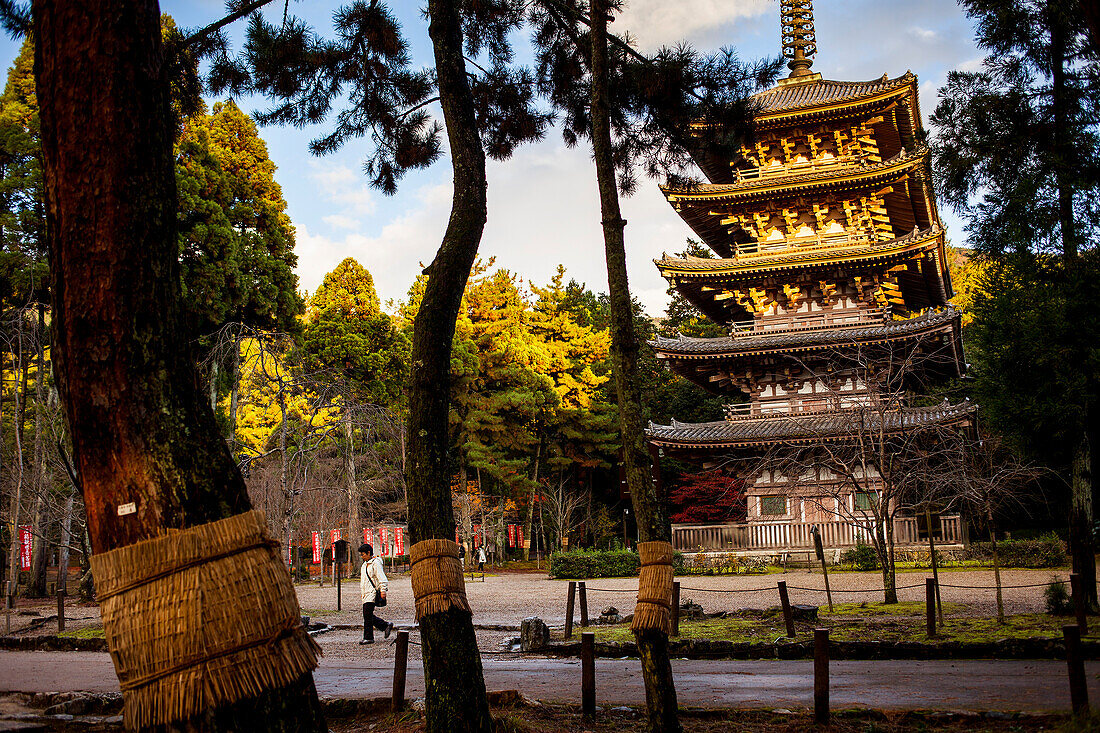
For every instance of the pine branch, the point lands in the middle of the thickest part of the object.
(216, 26)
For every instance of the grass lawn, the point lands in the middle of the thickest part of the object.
(864, 622)
(87, 632)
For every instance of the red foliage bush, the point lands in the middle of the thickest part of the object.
(711, 496)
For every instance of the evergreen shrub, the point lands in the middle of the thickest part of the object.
(1046, 552)
(860, 557)
(1058, 601)
(594, 564)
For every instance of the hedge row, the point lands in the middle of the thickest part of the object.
(594, 564)
(1045, 552)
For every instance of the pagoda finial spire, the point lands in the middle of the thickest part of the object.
(799, 43)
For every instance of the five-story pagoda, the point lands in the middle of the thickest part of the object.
(831, 276)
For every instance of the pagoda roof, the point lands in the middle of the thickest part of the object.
(695, 203)
(809, 427)
(706, 281)
(765, 342)
(797, 257)
(794, 102)
(837, 177)
(798, 97)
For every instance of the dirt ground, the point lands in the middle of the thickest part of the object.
(555, 719)
(502, 600)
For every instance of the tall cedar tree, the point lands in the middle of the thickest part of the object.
(1018, 154)
(650, 105)
(140, 429)
(487, 107)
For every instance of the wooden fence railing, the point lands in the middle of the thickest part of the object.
(797, 535)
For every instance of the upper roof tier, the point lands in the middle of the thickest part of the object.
(813, 102)
(905, 275)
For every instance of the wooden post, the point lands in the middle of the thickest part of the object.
(935, 564)
(60, 611)
(569, 609)
(338, 572)
(1078, 593)
(675, 608)
(400, 667)
(785, 602)
(7, 607)
(930, 604)
(588, 674)
(583, 591)
(821, 676)
(1078, 691)
(820, 549)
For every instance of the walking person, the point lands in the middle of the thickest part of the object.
(481, 559)
(372, 589)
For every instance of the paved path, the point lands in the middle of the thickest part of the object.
(1032, 686)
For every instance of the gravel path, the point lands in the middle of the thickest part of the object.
(503, 600)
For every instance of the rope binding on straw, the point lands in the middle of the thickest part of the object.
(437, 582)
(200, 618)
(653, 611)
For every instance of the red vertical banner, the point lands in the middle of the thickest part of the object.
(519, 535)
(477, 536)
(290, 551)
(399, 541)
(384, 545)
(511, 535)
(366, 535)
(457, 541)
(25, 547)
(316, 547)
(335, 536)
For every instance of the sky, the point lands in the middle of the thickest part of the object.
(543, 204)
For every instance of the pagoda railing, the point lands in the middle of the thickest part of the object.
(787, 536)
(808, 243)
(786, 169)
(839, 402)
(821, 320)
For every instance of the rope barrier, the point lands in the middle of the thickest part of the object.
(993, 587)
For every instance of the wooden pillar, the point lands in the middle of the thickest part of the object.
(821, 676)
(784, 601)
(588, 674)
(676, 608)
(1078, 690)
(60, 611)
(400, 667)
(569, 609)
(930, 605)
(583, 593)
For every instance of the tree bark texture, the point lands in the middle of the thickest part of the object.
(141, 429)
(653, 523)
(455, 695)
(1080, 521)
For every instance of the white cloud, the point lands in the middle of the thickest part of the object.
(339, 221)
(342, 186)
(392, 255)
(923, 34)
(654, 23)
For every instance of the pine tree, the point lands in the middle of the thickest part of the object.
(1017, 152)
(487, 109)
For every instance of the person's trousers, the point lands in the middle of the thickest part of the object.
(371, 622)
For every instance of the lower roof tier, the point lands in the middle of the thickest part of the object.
(802, 428)
(906, 274)
(709, 362)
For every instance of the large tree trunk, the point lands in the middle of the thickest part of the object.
(455, 693)
(1080, 520)
(42, 522)
(141, 430)
(652, 520)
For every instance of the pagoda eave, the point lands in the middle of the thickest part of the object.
(837, 426)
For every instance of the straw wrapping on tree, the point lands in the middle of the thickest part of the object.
(437, 581)
(200, 618)
(654, 609)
